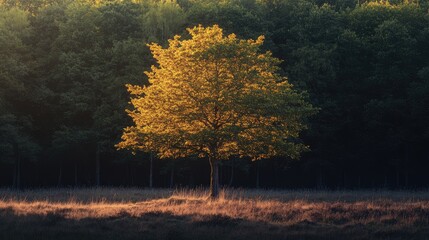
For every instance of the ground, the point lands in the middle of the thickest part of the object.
(120, 213)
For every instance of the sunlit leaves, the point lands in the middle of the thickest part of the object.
(215, 95)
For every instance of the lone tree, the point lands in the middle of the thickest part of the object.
(215, 96)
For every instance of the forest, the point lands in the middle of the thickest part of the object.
(64, 65)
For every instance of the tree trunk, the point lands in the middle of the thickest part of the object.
(130, 173)
(232, 173)
(17, 170)
(214, 178)
(151, 171)
(320, 180)
(172, 176)
(344, 180)
(97, 166)
(385, 180)
(359, 182)
(60, 175)
(406, 178)
(75, 174)
(14, 176)
(407, 160)
(398, 175)
(257, 174)
(18, 173)
(220, 174)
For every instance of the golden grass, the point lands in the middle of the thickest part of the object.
(397, 213)
(270, 207)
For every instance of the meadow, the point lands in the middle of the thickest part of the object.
(121, 213)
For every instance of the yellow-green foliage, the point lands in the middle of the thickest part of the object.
(216, 96)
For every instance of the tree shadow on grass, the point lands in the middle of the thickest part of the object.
(166, 226)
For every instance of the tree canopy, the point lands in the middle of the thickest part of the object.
(215, 96)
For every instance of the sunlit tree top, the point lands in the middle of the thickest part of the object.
(215, 95)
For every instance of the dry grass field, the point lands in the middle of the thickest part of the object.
(116, 213)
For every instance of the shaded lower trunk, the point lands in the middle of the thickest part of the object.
(17, 173)
(151, 171)
(97, 166)
(344, 179)
(220, 174)
(406, 178)
(130, 174)
(232, 173)
(17, 168)
(60, 175)
(320, 180)
(257, 174)
(75, 174)
(172, 176)
(398, 175)
(360, 182)
(214, 177)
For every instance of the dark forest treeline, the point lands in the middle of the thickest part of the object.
(64, 64)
